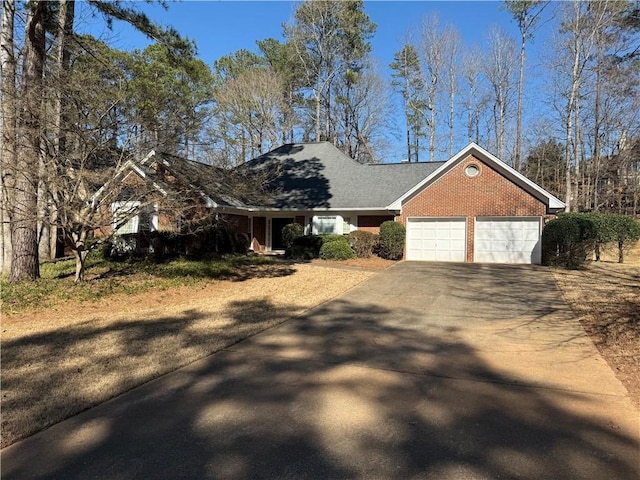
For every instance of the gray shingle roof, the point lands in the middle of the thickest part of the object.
(318, 175)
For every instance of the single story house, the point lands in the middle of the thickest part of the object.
(470, 208)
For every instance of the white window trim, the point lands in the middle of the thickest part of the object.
(316, 223)
(339, 225)
(130, 206)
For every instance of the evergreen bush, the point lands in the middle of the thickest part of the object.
(568, 240)
(333, 237)
(392, 238)
(572, 238)
(305, 247)
(336, 250)
(290, 233)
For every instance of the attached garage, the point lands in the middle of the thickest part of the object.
(436, 239)
(475, 208)
(507, 240)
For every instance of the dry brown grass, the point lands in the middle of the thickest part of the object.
(60, 361)
(606, 298)
(371, 263)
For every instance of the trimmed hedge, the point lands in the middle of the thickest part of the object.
(363, 243)
(336, 250)
(392, 237)
(290, 233)
(570, 239)
(615, 228)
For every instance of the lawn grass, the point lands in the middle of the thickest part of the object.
(60, 361)
(107, 277)
(606, 299)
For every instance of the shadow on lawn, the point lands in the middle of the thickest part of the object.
(615, 308)
(50, 376)
(350, 390)
(239, 269)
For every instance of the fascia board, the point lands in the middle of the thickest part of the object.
(332, 209)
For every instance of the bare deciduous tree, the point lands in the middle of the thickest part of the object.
(499, 71)
(527, 15)
(475, 99)
(432, 51)
(254, 102)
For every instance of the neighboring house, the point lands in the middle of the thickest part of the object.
(471, 208)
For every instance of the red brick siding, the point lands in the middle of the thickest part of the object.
(487, 194)
(371, 223)
(237, 223)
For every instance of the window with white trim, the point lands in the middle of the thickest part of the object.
(129, 218)
(326, 225)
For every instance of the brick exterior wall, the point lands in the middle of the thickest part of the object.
(457, 195)
(237, 223)
(371, 223)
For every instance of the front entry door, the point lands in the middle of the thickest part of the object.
(277, 224)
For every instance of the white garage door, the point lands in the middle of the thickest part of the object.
(507, 240)
(436, 239)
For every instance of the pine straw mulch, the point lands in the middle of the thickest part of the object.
(606, 298)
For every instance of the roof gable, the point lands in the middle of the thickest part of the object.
(553, 204)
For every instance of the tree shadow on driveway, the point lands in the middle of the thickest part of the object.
(350, 390)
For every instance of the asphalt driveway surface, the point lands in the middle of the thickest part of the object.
(430, 371)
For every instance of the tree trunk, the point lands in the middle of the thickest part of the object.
(452, 97)
(318, 137)
(7, 150)
(518, 152)
(24, 233)
(432, 135)
(575, 72)
(64, 30)
(81, 257)
(576, 154)
(620, 252)
(596, 127)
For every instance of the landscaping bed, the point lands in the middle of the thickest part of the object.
(76, 353)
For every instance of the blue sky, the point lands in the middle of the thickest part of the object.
(223, 27)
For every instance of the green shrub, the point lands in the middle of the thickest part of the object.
(306, 247)
(568, 240)
(290, 233)
(621, 229)
(119, 247)
(334, 237)
(336, 250)
(392, 237)
(363, 243)
(573, 237)
(213, 241)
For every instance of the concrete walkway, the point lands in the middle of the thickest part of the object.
(430, 371)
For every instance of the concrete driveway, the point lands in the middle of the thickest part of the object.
(431, 371)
